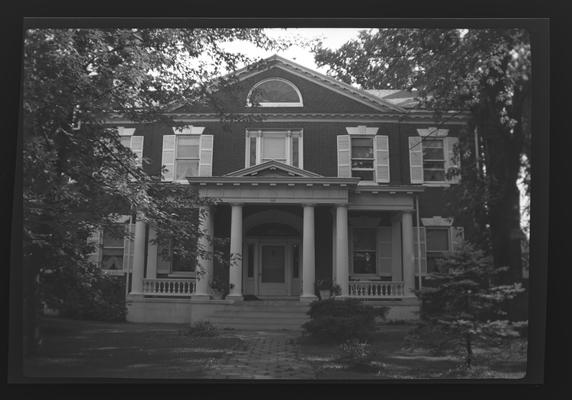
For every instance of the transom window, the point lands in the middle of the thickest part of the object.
(363, 158)
(274, 92)
(280, 145)
(186, 156)
(433, 160)
(364, 250)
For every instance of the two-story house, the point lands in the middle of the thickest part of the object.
(327, 182)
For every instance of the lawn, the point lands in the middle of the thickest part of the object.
(89, 349)
(392, 359)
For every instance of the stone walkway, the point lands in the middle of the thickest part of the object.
(265, 355)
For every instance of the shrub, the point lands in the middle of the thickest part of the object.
(341, 320)
(202, 329)
(84, 292)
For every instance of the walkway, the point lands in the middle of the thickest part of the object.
(265, 355)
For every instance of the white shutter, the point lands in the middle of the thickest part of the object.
(344, 156)
(451, 160)
(423, 246)
(137, 148)
(95, 240)
(382, 159)
(168, 159)
(456, 237)
(415, 159)
(206, 155)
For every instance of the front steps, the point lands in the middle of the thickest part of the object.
(260, 315)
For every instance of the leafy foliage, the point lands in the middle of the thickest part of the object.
(85, 293)
(464, 303)
(77, 176)
(486, 72)
(341, 320)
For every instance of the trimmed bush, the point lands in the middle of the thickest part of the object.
(202, 329)
(341, 320)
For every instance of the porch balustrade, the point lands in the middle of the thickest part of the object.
(376, 289)
(169, 287)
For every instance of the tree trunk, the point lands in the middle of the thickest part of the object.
(31, 305)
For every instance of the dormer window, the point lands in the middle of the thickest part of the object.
(274, 92)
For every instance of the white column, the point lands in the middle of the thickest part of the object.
(152, 254)
(204, 271)
(408, 252)
(235, 273)
(342, 256)
(138, 257)
(396, 265)
(308, 255)
(334, 245)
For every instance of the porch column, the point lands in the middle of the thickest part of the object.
(342, 257)
(152, 254)
(204, 271)
(235, 273)
(308, 255)
(138, 257)
(408, 252)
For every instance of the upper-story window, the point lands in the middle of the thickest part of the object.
(274, 92)
(431, 155)
(280, 145)
(187, 153)
(364, 154)
(135, 143)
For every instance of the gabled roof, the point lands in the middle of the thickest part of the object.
(401, 98)
(274, 168)
(276, 61)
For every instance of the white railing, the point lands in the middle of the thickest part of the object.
(376, 289)
(168, 287)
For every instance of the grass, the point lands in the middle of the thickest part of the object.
(390, 360)
(86, 349)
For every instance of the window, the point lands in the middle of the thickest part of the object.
(184, 263)
(112, 250)
(364, 251)
(437, 243)
(186, 156)
(274, 92)
(135, 143)
(433, 160)
(280, 145)
(362, 158)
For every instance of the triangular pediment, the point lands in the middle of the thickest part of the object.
(274, 168)
(373, 101)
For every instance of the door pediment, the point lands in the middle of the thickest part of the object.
(274, 168)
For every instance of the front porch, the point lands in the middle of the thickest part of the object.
(286, 232)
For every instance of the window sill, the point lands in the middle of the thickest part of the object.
(437, 184)
(114, 272)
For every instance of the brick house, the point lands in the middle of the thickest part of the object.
(330, 182)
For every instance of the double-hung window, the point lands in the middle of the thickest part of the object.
(364, 154)
(187, 153)
(281, 145)
(363, 158)
(135, 143)
(364, 251)
(431, 156)
(112, 250)
(437, 244)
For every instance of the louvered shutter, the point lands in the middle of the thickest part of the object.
(382, 159)
(137, 148)
(451, 160)
(344, 157)
(422, 240)
(415, 159)
(206, 155)
(456, 236)
(168, 159)
(95, 240)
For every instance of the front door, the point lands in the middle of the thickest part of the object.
(273, 270)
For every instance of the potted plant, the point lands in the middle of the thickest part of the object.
(336, 290)
(220, 288)
(324, 287)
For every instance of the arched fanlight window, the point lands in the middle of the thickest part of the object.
(274, 92)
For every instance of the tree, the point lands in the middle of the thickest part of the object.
(77, 175)
(465, 303)
(484, 71)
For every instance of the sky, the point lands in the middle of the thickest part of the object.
(332, 38)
